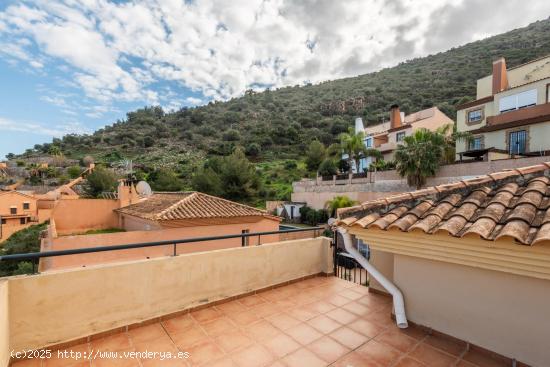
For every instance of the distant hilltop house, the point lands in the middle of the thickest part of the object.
(511, 114)
(385, 137)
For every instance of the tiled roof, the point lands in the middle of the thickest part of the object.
(189, 205)
(513, 204)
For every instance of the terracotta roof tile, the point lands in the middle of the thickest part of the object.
(189, 205)
(477, 197)
(466, 211)
(494, 211)
(421, 208)
(405, 222)
(427, 223)
(543, 234)
(497, 176)
(532, 169)
(368, 219)
(348, 221)
(453, 225)
(482, 227)
(440, 210)
(517, 229)
(503, 198)
(512, 203)
(384, 221)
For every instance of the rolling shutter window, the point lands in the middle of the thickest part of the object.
(507, 103)
(527, 98)
(519, 100)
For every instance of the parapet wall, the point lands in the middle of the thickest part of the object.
(61, 306)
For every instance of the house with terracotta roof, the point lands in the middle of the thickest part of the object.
(159, 217)
(470, 259)
(387, 135)
(510, 116)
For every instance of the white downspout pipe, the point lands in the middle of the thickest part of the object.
(398, 303)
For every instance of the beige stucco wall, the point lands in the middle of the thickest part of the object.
(537, 137)
(317, 200)
(76, 216)
(120, 238)
(383, 261)
(60, 306)
(502, 312)
(4, 324)
(131, 223)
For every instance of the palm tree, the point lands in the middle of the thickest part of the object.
(353, 144)
(451, 135)
(338, 202)
(419, 156)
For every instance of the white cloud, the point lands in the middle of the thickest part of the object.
(193, 101)
(121, 51)
(57, 130)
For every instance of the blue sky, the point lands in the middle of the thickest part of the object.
(72, 66)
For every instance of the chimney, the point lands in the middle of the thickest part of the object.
(359, 127)
(500, 78)
(395, 117)
(127, 194)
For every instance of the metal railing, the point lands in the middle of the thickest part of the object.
(345, 265)
(36, 256)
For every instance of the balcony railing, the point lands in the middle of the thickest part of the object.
(34, 257)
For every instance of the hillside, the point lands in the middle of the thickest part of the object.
(277, 125)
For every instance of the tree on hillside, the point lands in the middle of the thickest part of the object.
(54, 150)
(165, 180)
(338, 202)
(328, 167)
(100, 180)
(208, 181)
(232, 177)
(419, 156)
(74, 171)
(353, 145)
(238, 176)
(315, 154)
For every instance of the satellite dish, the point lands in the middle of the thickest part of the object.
(143, 189)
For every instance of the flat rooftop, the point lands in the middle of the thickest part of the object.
(320, 321)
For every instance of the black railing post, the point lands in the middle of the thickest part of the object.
(259, 243)
(175, 249)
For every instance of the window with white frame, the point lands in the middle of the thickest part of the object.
(548, 93)
(475, 115)
(368, 142)
(518, 100)
(400, 136)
